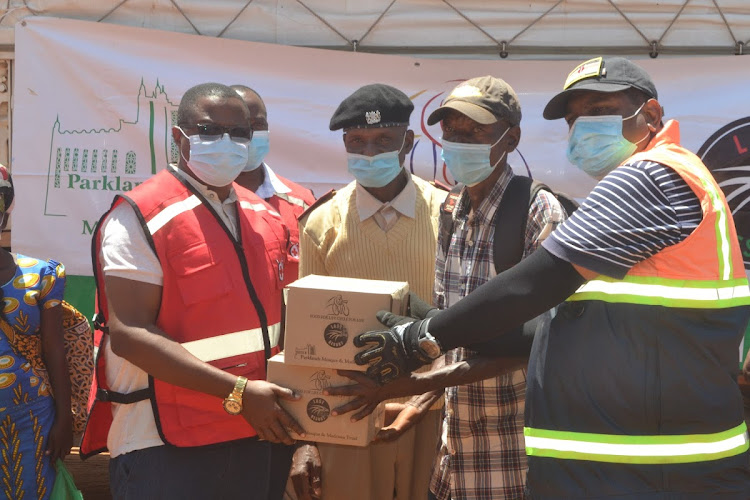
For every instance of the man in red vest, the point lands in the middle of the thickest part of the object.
(192, 266)
(286, 197)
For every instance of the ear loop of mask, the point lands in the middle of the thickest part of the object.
(648, 131)
(504, 152)
(186, 137)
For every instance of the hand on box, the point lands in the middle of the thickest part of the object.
(261, 410)
(392, 353)
(367, 394)
(399, 418)
(306, 472)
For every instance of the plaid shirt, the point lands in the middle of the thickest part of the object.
(482, 453)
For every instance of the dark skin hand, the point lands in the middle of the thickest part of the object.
(400, 417)
(133, 310)
(368, 394)
(306, 472)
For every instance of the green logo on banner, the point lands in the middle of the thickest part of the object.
(111, 160)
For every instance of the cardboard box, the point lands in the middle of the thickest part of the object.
(324, 313)
(313, 411)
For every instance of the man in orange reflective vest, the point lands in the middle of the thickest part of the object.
(192, 266)
(288, 198)
(632, 390)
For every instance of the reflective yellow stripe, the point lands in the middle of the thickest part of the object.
(160, 220)
(723, 247)
(664, 292)
(636, 449)
(232, 344)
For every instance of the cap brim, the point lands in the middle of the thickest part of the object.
(557, 106)
(476, 113)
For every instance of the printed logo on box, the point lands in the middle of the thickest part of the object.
(335, 335)
(337, 306)
(320, 380)
(318, 410)
(303, 352)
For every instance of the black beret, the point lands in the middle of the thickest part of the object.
(376, 105)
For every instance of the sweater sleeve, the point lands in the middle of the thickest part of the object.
(310, 256)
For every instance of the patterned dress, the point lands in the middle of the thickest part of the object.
(27, 409)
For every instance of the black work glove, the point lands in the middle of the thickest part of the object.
(392, 353)
(418, 309)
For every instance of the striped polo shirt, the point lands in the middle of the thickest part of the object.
(637, 210)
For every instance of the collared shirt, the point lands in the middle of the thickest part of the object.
(271, 184)
(387, 214)
(226, 210)
(482, 453)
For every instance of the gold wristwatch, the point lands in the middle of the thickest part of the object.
(233, 402)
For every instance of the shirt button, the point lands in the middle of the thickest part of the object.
(470, 243)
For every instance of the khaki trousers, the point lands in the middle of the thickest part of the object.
(398, 470)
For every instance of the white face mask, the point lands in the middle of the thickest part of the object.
(216, 163)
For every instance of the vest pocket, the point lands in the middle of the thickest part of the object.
(199, 277)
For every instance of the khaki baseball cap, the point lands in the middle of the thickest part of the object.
(484, 99)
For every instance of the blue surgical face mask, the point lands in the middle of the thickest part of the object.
(216, 163)
(470, 163)
(596, 144)
(375, 171)
(257, 150)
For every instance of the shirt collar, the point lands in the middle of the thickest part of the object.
(405, 202)
(209, 194)
(487, 208)
(271, 184)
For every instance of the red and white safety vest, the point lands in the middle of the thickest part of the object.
(221, 299)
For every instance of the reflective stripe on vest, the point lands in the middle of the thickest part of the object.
(293, 200)
(232, 344)
(258, 207)
(666, 292)
(162, 218)
(722, 228)
(172, 211)
(636, 449)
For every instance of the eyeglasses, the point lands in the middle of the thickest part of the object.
(214, 132)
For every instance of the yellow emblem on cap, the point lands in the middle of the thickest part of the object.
(465, 91)
(592, 67)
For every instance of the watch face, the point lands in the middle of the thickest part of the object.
(232, 407)
(430, 348)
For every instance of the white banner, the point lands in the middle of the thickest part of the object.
(94, 104)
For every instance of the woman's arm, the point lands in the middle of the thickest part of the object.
(53, 352)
